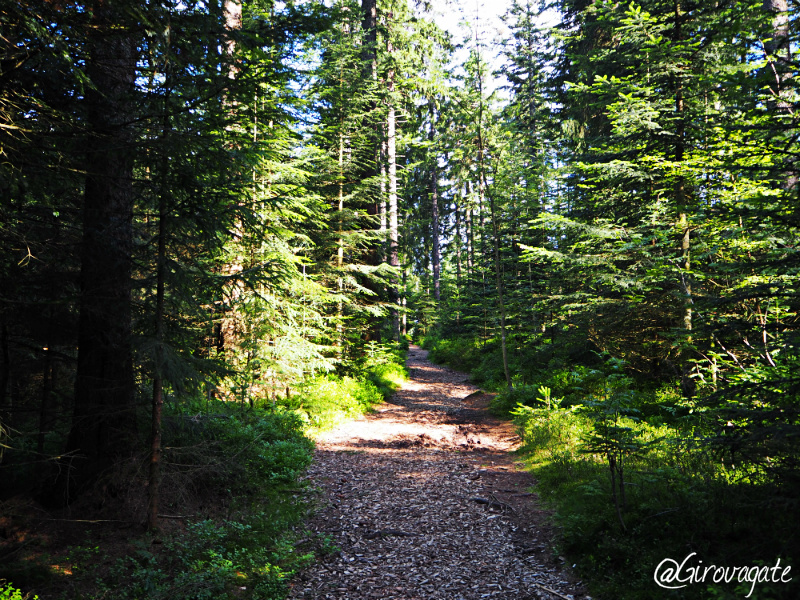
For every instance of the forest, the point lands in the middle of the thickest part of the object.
(222, 222)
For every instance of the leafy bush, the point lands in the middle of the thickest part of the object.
(550, 435)
(674, 496)
(459, 353)
(234, 449)
(253, 458)
(328, 400)
(9, 592)
(210, 561)
(387, 377)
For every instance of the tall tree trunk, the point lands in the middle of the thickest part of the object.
(233, 22)
(382, 198)
(404, 319)
(500, 300)
(434, 185)
(470, 233)
(154, 486)
(681, 199)
(371, 123)
(483, 188)
(369, 25)
(45, 410)
(339, 343)
(458, 257)
(369, 65)
(780, 70)
(458, 243)
(104, 425)
(5, 374)
(49, 375)
(779, 52)
(391, 159)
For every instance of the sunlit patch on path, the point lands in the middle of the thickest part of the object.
(422, 502)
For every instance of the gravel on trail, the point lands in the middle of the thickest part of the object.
(422, 501)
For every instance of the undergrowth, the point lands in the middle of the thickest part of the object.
(231, 479)
(625, 466)
(9, 592)
(328, 400)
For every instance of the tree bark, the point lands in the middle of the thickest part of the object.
(779, 58)
(154, 486)
(391, 159)
(778, 50)
(458, 244)
(434, 185)
(369, 8)
(104, 426)
(483, 189)
(371, 123)
(5, 375)
(681, 199)
(470, 233)
(500, 300)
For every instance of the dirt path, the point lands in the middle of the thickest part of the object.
(424, 503)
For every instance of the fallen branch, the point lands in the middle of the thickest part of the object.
(493, 503)
(549, 591)
(70, 520)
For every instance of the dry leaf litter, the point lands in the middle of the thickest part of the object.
(423, 502)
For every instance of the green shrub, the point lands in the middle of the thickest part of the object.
(234, 449)
(326, 401)
(548, 434)
(677, 498)
(9, 592)
(250, 558)
(459, 353)
(387, 377)
(253, 455)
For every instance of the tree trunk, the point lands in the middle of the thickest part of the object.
(339, 343)
(5, 375)
(371, 123)
(158, 385)
(434, 184)
(500, 300)
(778, 50)
(612, 465)
(154, 486)
(45, 410)
(780, 69)
(681, 199)
(404, 324)
(458, 244)
(370, 27)
(470, 234)
(483, 189)
(233, 22)
(391, 159)
(104, 426)
(382, 198)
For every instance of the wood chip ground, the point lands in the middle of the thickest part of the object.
(424, 502)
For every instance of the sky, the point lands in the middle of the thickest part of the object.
(467, 18)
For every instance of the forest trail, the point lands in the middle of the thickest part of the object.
(424, 502)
